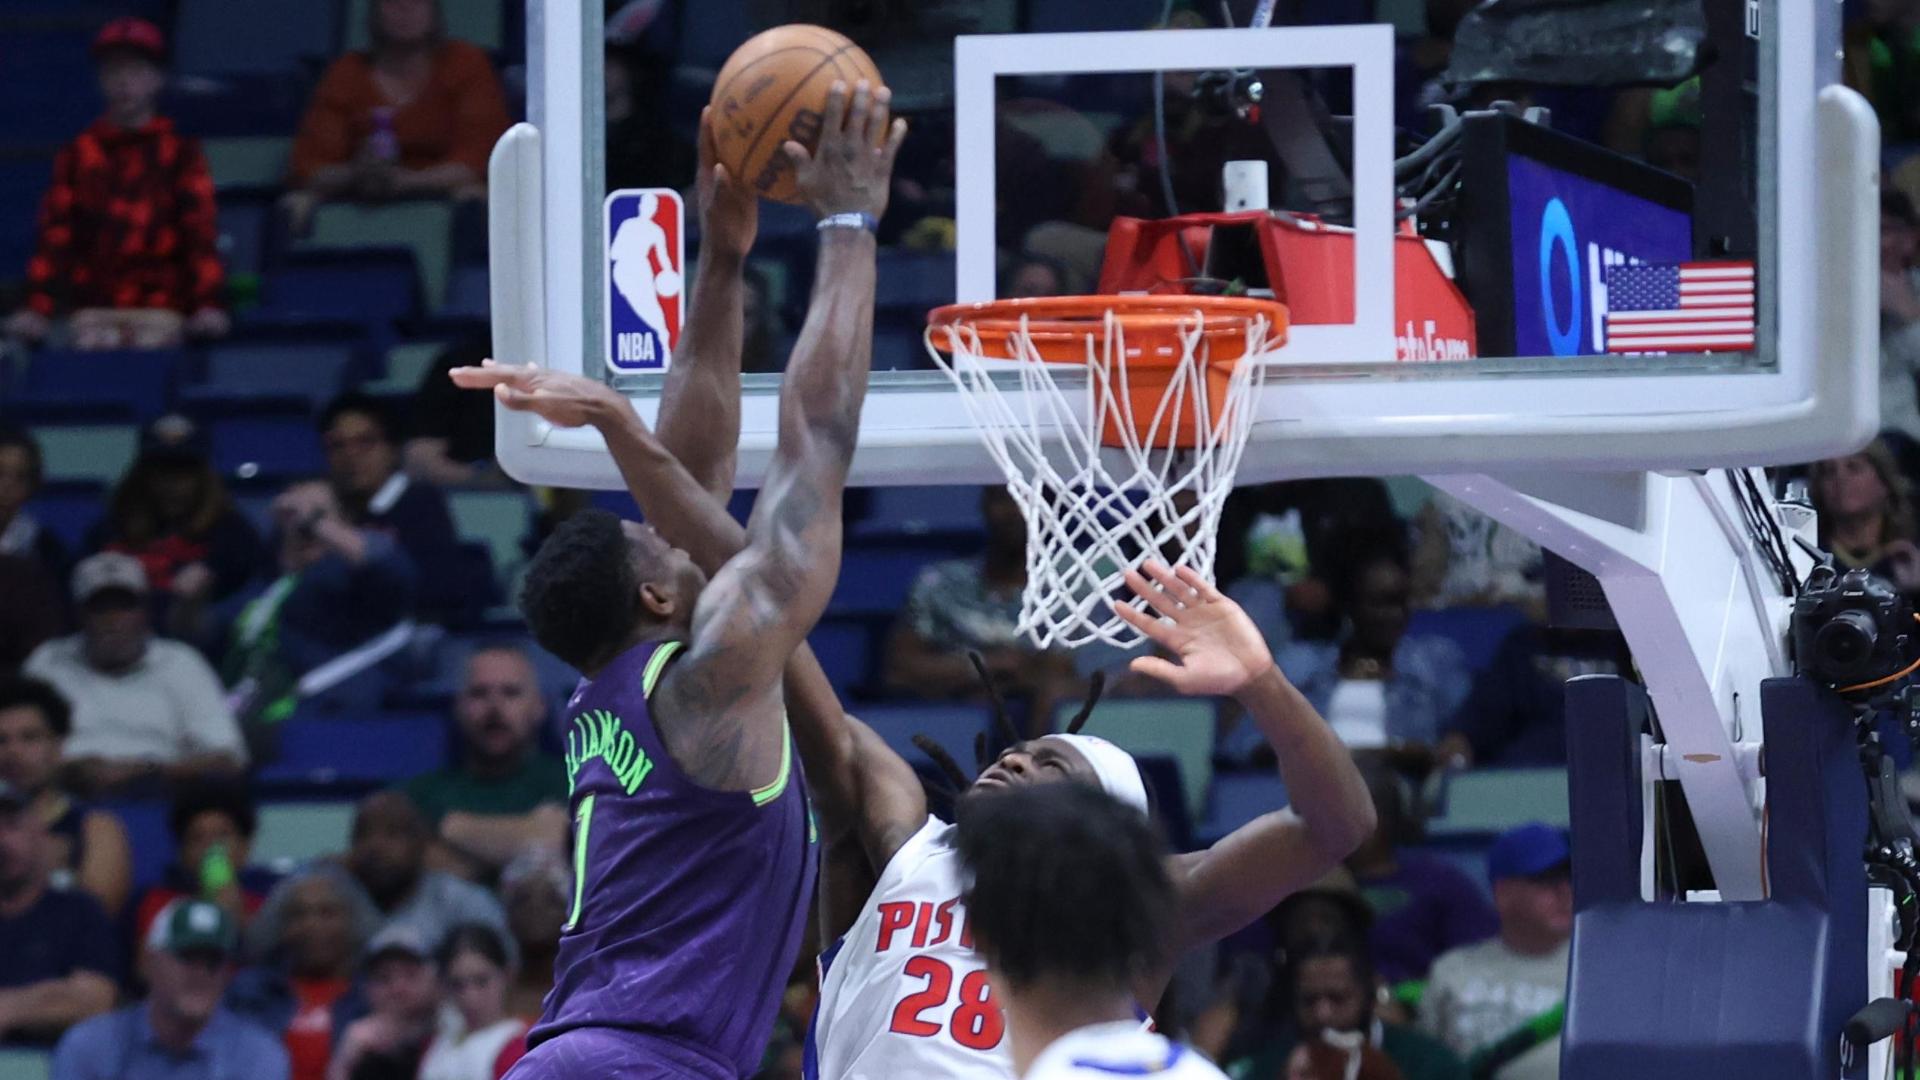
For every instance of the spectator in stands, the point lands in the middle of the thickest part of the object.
(62, 956)
(1866, 514)
(144, 707)
(88, 846)
(127, 247)
(1031, 275)
(452, 438)
(363, 462)
(1900, 321)
(478, 1038)
(1516, 714)
(1422, 906)
(1383, 690)
(181, 1031)
(33, 610)
(21, 473)
(643, 148)
(505, 795)
(1281, 543)
(1480, 995)
(415, 115)
(1463, 558)
(536, 888)
(973, 604)
(213, 822)
(308, 938)
(403, 998)
(1883, 63)
(1329, 987)
(173, 514)
(342, 591)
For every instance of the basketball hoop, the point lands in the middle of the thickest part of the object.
(1119, 422)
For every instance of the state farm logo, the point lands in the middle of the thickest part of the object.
(1427, 345)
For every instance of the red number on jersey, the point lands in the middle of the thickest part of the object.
(906, 1015)
(977, 1022)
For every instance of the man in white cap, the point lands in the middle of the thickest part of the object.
(144, 707)
(180, 1032)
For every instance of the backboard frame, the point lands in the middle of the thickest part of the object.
(1812, 394)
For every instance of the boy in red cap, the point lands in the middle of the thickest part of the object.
(127, 230)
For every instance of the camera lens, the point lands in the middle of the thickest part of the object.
(1845, 644)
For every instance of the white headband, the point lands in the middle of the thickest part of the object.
(1119, 774)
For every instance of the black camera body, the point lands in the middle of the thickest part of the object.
(1851, 628)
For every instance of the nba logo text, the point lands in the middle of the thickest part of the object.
(645, 285)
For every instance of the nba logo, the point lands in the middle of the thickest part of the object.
(645, 257)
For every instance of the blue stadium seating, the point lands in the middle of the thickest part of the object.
(47, 90)
(370, 750)
(266, 449)
(844, 648)
(68, 511)
(245, 228)
(899, 346)
(373, 286)
(951, 726)
(874, 580)
(895, 513)
(913, 281)
(244, 373)
(1237, 798)
(23, 181)
(149, 835)
(467, 295)
(710, 30)
(110, 386)
(231, 37)
(1478, 631)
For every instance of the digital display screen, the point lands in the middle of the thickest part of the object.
(1566, 231)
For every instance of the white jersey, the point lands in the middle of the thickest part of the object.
(903, 993)
(1104, 1051)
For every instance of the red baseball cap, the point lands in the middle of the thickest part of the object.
(137, 35)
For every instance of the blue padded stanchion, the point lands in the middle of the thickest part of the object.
(1755, 990)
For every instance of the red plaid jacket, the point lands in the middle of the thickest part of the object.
(128, 223)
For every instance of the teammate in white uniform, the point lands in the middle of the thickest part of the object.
(1069, 894)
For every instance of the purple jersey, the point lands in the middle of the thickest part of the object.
(689, 904)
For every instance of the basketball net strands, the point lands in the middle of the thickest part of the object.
(1132, 462)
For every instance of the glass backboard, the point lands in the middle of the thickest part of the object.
(1561, 264)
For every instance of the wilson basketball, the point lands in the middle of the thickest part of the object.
(774, 88)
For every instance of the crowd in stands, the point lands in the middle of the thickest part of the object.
(195, 638)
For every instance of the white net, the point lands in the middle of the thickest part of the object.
(1093, 511)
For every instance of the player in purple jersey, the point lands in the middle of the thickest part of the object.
(692, 841)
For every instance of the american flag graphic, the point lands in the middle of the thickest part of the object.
(1680, 307)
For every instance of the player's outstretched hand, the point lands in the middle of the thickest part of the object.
(850, 171)
(729, 210)
(1216, 648)
(558, 397)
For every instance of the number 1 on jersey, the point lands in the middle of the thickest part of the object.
(582, 821)
(977, 1022)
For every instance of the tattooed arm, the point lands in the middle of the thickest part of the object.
(763, 602)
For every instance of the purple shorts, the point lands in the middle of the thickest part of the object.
(603, 1053)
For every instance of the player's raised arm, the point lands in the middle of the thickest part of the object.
(1218, 651)
(761, 606)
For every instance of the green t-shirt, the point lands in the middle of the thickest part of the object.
(541, 778)
(1419, 1056)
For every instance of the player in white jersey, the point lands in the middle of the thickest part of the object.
(1068, 895)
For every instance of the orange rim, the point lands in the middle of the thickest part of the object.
(1151, 325)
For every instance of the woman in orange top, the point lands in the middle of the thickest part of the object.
(415, 115)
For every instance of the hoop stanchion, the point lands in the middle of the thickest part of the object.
(1132, 462)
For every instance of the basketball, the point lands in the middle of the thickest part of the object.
(774, 88)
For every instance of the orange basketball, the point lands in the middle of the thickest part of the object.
(774, 88)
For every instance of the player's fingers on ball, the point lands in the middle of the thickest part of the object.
(796, 154)
(877, 117)
(835, 116)
(860, 110)
(895, 136)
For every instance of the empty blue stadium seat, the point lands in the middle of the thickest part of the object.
(98, 386)
(149, 836)
(1478, 631)
(46, 85)
(245, 225)
(23, 182)
(68, 511)
(376, 749)
(875, 580)
(711, 30)
(266, 448)
(1237, 798)
(913, 280)
(844, 648)
(467, 295)
(899, 348)
(951, 726)
(288, 371)
(894, 512)
(226, 37)
(371, 286)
